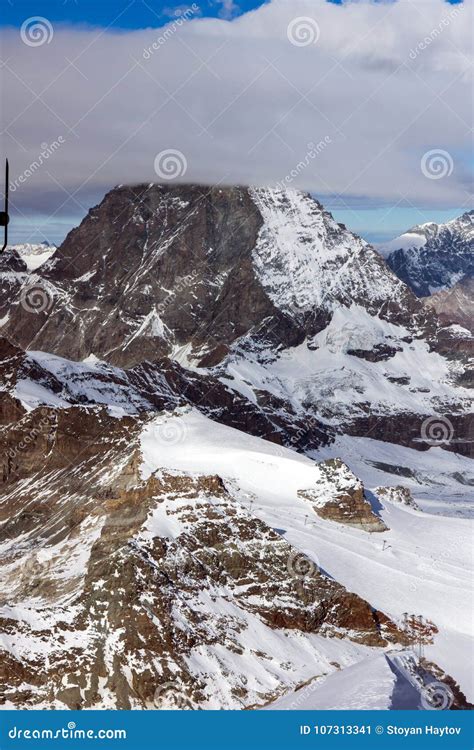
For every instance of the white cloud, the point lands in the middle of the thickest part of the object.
(385, 82)
(229, 8)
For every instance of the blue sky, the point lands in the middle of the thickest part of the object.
(376, 197)
(138, 14)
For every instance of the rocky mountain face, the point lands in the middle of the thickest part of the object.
(121, 579)
(398, 494)
(258, 289)
(148, 584)
(433, 257)
(190, 270)
(36, 378)
(13, 275)
(455, 305)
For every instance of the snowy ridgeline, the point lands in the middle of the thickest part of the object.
(34, 255)
(433, 257)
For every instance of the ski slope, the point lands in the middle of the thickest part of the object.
(367, 685)
(421, 565)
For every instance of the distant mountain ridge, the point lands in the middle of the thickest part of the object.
(33, 254)
(432, 257)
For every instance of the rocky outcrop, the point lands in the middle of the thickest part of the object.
(338, 495)
(398, 494)
(451, 431)
(456, 305)
(13, 275)
(133, 582)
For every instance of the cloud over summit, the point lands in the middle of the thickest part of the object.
(242, 100)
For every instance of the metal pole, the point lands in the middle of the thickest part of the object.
(4, 217)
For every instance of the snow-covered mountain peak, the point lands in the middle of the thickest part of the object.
(202, 268)
(34, 254)
(431, 257)
(306, 260)
(460, 225)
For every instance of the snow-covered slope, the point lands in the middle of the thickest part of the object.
(306, 261)
(419, 564)
(132, 588)
(358, 363)
(367, 685)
